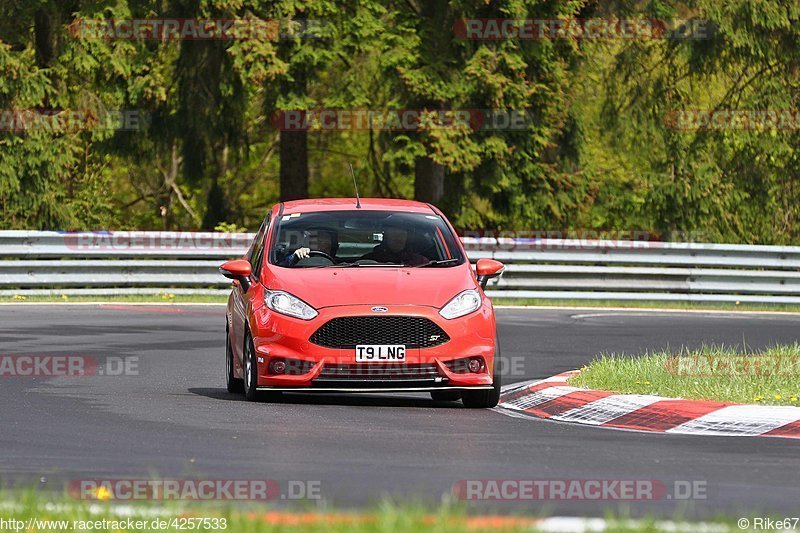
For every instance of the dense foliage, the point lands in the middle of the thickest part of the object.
(181, 133)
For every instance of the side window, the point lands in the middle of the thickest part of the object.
(258, 248)
(254, 248)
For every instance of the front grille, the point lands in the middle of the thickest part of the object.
(347, 332)
(377, 372)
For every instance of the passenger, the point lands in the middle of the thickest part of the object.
(395, 247)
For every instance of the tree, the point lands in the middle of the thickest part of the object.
(500, 176)
(735, 182)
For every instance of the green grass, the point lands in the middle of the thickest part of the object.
(189, 298)
(124, 298)
(771, 377)
(386, 517)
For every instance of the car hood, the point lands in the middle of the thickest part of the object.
(327, 287)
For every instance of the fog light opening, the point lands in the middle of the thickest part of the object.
(475, 365)
(277, 366)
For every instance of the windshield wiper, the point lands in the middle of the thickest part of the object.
(439, 262)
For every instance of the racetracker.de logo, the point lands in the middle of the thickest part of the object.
(57, 366)
(744, 365)
(499, 29)
(194, 489)
(733, 119)
(162, 240)
(402, 120)
(193, 29)
(578, 489)
(71, 120)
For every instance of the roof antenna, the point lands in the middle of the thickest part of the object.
(355, 185)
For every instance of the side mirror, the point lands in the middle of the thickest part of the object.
(238, 270)
(488, 269)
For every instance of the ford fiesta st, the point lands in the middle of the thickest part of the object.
(365, 295)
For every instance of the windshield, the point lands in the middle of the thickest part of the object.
(363, 239)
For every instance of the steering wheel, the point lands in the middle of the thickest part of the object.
(315, 253)
(321, 254)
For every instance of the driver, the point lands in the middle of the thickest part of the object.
(323, 240)
(394, 247)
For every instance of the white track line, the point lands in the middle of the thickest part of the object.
(628, 310)
(740, 420)
(606, 409)
(539, 397)
(131, 304)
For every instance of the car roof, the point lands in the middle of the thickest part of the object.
(347, 204)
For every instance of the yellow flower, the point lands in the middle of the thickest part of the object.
(777, 396)
(163, 296)
(647, 383)
(103, 493)
(64, 296)
(758, 398)
(794, 399)
(171, 295)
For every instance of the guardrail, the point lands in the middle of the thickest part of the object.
(55, 263)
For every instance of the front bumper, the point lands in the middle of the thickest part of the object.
(277, 336)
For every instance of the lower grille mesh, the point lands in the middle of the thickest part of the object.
(347, 332)
(423, 371)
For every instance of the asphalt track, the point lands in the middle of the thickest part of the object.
(175, 420)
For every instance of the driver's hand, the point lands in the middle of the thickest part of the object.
(302, 253)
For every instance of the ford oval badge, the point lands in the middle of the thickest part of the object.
(379, 309)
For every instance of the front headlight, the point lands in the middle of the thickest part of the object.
(286, 304)
(463, 304)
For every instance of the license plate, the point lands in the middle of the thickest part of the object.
(380, 353)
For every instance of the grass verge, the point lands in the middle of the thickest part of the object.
(210, 298)
(30, 513)
(771, 377)
(124, 298)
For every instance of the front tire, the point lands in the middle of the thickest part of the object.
(233, 383)
(484, 399)
(251, 374)
(250, 370)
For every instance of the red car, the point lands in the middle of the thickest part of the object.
(369, 295)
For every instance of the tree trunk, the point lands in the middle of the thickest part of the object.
(294, 165)
(428, 180)
(46, 23)
(217, 211)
